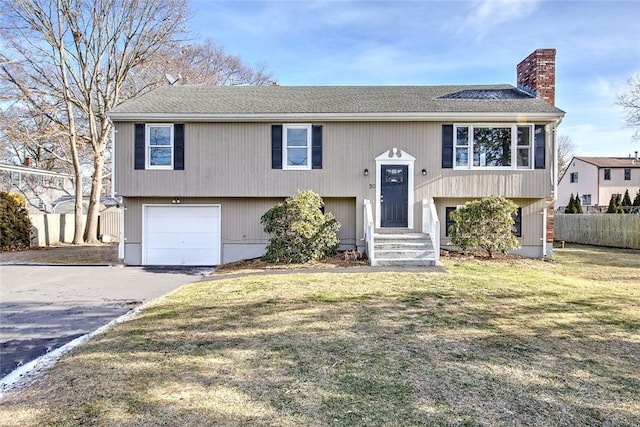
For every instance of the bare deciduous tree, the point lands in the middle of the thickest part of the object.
(631, 104)
(205, 63)
(566, 152)
(77, 55)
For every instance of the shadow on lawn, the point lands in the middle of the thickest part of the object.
(415, 358)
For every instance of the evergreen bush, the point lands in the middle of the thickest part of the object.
(15, 225)
(486, 224)
(299, 229)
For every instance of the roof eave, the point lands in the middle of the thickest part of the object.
(344, 117)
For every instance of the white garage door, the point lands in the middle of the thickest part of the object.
(181, 235)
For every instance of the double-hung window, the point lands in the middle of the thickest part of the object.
(15, 178)
(493, 146)
(296, 147)
(159, 146)
(627, 174)
(607, 174)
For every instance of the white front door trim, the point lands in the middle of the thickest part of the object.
(395, 157)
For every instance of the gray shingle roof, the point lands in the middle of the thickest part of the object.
(248, 100)
(612, 162)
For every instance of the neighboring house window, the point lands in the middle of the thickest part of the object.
(296, 146)
(627, 174)
(60, 183)
(517, 223)
(607, 174)
(573, 178)
(586, 199)
(507, 146)
(40, 204)
(159, 143)
(15, 178)
(40, 179)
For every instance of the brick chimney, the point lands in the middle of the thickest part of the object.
(537, 73)
(28, 162)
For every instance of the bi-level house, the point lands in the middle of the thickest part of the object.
(196, 167)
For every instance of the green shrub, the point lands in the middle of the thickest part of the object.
(577, 204)
(615, 204)
(626, 200)
(486, 224)
(15, 225)
(636, 201)
(571, 207)
(299, 230)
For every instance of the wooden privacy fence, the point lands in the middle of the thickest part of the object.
(48, 229)
(613, 230)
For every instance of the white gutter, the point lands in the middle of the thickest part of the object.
(344, 117)
(555, 158)
(113, 158)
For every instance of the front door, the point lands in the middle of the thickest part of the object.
(394, 195)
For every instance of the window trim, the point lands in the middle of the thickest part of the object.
(285, 148)
(514, 145)
(16, 178)
(573, 177)
(147, 146)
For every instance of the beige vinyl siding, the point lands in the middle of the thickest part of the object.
(240, 217)
(531, 219)
(234, 160)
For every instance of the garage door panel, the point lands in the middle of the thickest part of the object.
(185, 225)
(173, 257)
(179, 240)
(182, 235)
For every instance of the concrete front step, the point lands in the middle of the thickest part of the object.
(398, 244)
(405, 262)
(405, 253)
(401, 236)
(398, 249)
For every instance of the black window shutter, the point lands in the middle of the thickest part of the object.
(447, 146)
(276, 147)
(139, 149)
(178, 147)
(540, 146)
(316, 147)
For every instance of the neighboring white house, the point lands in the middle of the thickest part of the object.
(597, 178)
(39, 187)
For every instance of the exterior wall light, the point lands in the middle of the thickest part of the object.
(366, 172)
(424, 172)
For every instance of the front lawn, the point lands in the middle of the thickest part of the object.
(512, 342)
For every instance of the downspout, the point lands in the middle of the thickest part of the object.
(554, 174)
(113, 191)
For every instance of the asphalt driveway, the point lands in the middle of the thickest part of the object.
(45, 307)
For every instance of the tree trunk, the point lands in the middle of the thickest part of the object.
(91, 229)
(77, 231)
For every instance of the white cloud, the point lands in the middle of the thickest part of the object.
(487, 14)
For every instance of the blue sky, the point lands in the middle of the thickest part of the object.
(340, 42)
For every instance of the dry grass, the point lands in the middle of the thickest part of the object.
(61, 253)
(510, 342)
